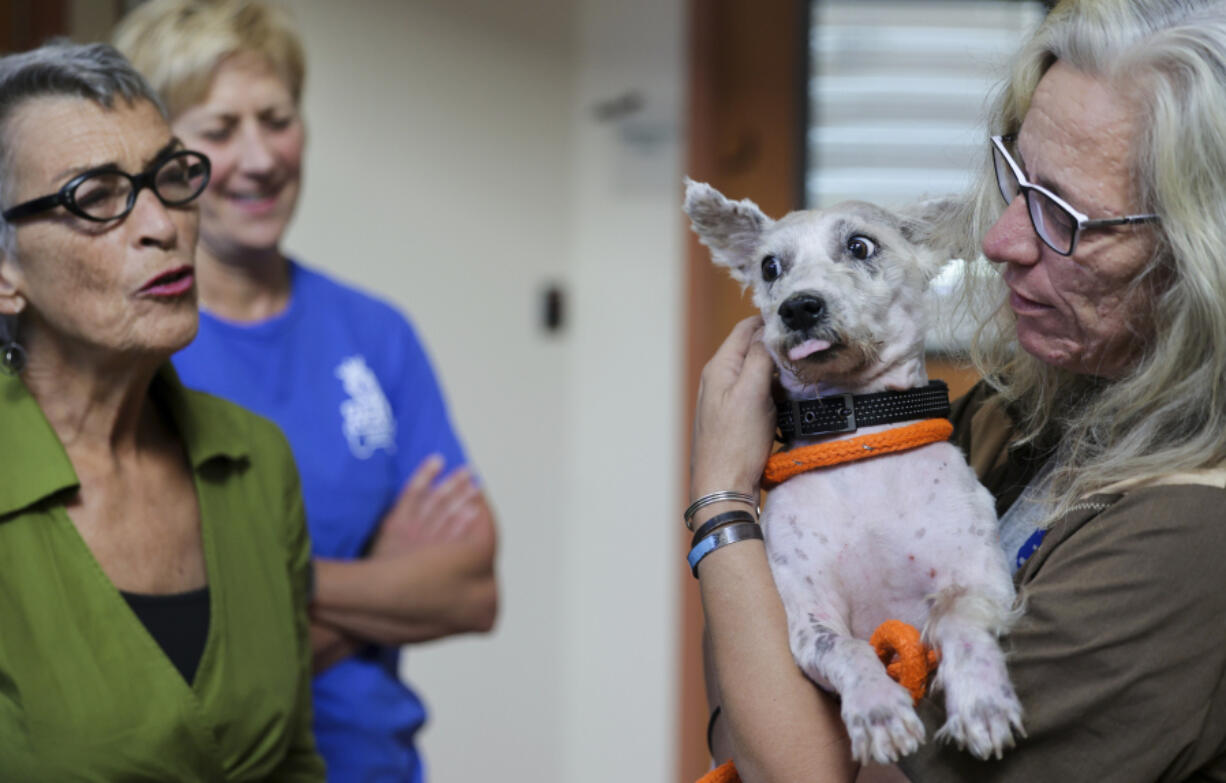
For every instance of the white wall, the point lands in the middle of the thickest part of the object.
(455, 166)
(621, 651)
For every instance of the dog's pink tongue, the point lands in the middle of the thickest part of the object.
(807, 348)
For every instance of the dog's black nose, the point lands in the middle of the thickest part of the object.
(800, 311)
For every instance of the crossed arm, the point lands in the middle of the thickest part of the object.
(430, 572)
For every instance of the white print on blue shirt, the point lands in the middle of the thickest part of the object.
(367, 419)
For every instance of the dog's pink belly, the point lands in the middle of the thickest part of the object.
(881, 586)
(861, 545)
(858, 584)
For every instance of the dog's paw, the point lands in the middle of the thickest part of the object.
(881, 723)
(984, 725)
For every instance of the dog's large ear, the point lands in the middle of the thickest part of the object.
(732, 229)
(940, 227)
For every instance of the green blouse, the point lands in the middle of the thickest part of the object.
(85, 692)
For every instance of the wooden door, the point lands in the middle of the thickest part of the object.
(746, 105)
(24, 24)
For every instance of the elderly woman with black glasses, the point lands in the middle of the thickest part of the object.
(153, 554)
(1100, 425)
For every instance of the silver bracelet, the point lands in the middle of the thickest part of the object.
(730, 534)
(717, 497)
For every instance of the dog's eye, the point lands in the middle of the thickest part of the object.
(772, 267)
(861, 247)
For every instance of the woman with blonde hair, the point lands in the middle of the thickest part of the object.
(400, 555)
(1100, 425)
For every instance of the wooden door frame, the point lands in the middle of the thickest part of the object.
(746, 110)
(24, 24)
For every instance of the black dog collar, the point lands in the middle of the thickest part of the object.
(847, 412)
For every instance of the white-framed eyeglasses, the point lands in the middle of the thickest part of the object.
(1056, 222)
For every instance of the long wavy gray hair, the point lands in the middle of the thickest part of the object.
(95, 72)
(1167, 414)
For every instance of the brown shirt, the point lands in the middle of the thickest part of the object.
(1120, 657)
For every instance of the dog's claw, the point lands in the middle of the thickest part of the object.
(882, 729)
(986, 727)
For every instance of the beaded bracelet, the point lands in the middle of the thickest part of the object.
(716, 497)
(731, 534)
(718, 521)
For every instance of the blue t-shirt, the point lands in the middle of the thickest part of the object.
(345, 377)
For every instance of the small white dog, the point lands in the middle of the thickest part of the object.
(909, 535)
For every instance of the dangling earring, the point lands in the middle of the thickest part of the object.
(12, 357)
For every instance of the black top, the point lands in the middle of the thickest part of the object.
(178, 622)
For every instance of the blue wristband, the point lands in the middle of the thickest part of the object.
(730, 534)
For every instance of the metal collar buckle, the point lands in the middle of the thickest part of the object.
(821, 416)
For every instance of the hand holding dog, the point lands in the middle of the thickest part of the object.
(734, 419)
(910, 536)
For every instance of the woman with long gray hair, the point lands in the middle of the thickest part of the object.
(1100, 425)
(153, 555)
